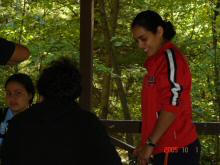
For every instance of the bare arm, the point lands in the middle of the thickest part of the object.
(20, 54)
(164, 122)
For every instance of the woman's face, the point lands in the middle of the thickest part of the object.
(148, 41)
(17, 97)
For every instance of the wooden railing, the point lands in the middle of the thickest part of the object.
(134, 126)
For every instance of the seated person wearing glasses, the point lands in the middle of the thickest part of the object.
(20, 92)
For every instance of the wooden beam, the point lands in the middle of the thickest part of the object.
(134, 126)
(86, 47)
(123, 126)
(122, 144)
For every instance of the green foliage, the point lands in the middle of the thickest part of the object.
(50, 29)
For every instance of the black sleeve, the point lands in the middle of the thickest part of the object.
(6, 48)
(101, 148)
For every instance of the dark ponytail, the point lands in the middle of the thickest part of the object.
(150, 20)
(169, 31)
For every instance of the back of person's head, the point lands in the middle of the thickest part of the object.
(150, 20)
(25, 81)
(60, 81)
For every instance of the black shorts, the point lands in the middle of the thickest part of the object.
(189, 155)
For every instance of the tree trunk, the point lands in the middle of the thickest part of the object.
(108, 34)
(111, 51)
(217, 76)
(105, 93)
(18, 10)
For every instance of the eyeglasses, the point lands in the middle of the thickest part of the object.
(16, 94)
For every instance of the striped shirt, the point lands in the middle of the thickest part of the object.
(167, 86)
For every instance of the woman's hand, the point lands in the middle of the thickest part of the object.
(137, 150)
(145, 154)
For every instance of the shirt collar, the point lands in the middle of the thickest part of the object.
(9, 115)
(164, 47)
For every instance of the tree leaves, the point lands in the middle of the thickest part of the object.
(50, 28)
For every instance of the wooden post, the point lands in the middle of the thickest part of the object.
(86, 48)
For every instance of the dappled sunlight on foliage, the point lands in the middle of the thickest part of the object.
(51, 28)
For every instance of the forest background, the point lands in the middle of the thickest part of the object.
(51, 28)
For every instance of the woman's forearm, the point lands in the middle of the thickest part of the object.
(165, 120)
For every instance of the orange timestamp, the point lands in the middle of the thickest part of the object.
(177, 149)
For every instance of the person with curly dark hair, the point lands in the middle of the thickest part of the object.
(56, 130)
(60, 82)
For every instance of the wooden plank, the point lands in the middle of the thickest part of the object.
(86, 47)
(134, 126)
(123, 126)
(122, 144)
(208, 128)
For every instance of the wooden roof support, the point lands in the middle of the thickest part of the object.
(86, 47)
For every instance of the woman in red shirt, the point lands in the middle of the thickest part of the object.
(168, 133)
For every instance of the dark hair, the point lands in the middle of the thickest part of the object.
(150, 20)
(25, 81)
(61, 81)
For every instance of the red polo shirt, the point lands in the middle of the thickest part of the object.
(167, 86)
